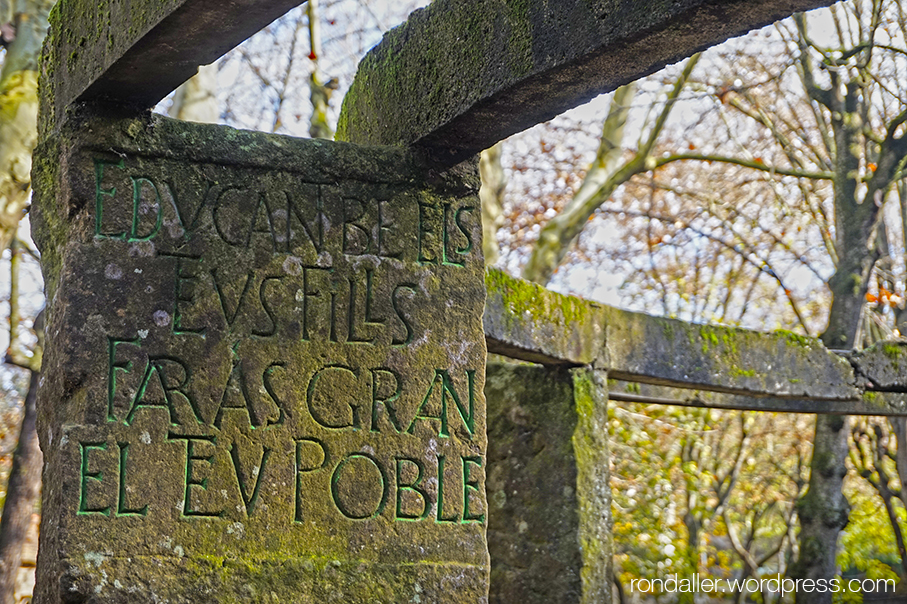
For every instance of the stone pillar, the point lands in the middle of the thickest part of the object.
(264, 371)
(549, 531)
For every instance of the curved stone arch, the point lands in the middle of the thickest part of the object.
(460, 75)
(136, 52)
(455, 78)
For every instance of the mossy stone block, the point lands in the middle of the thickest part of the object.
(549, 496)
(264, 370)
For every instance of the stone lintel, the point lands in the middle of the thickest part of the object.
(872, 403)
(675, 353)
(883, 367)
(137, 52)
(526, 321)
(778, 371)
(461, 75)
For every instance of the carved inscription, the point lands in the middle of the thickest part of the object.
(294, 345)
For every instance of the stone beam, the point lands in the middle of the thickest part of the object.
(460, 75)
(883, 367)
(526, 321)
(750, 370)
(675, 353)
(137, 52)
(871, 403)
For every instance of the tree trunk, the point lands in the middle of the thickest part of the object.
(319, 92)
(19, 114)
(18, 136)
(823, 511)
(21, 497)
(196, 100)
(492, 197)
(899, 426)
(604, 176)
(557, 237)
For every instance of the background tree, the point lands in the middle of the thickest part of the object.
(491, 195)
(22, 34)
(196, 100)
(723, 505)
(273, 70)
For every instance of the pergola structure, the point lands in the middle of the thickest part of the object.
(265, 359)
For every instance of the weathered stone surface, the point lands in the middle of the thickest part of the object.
(264, 370)
(871, 403)
(461, 75)
(549, 528)
(882, 366)
(137, 52)
(526, 321)
(723, 359)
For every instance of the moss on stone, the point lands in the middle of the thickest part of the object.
(893, 351)
(114, 282)
(669, 351)
(548, 448)
(797, 339)
(520, 36)
(535, 302)
(738, 372)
